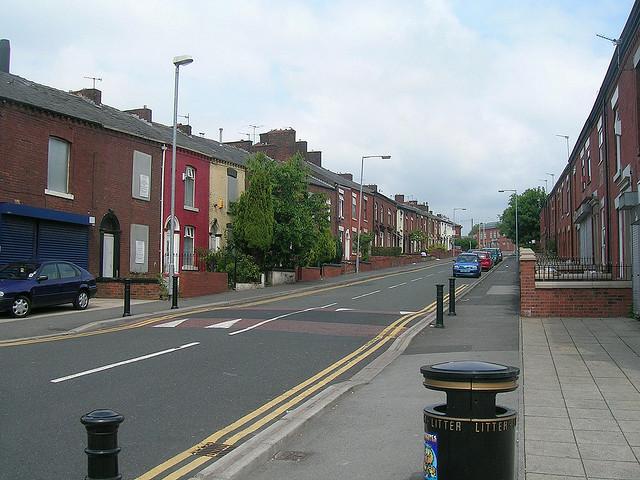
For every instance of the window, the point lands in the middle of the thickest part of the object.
(364, 206)
(375, 211)
(189, 235)
(232, 186)
(58, 166)
(353, 206)
(67, 271)
(587, 153)
(389, 216)
(600, 141)
(617, 130)
(189, 187)
(141, 180)
(50, 270)
(341, 206)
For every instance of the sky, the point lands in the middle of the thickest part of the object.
(466, 96)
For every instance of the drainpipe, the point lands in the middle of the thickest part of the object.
(606, 176)
(164, 154)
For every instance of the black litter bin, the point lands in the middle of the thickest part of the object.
(469, 437)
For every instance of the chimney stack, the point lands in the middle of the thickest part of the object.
(399, 198)
(220, 136)
(348, 176)
(186, 129)
(5, 55)
(92, 94)
(144, 113)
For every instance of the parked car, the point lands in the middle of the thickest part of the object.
(467, 264)
(485, 259)
(496, 254)
(24, 285)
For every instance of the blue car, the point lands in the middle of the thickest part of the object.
(467, 265)
(24, 285)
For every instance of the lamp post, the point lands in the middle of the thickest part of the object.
(546, 186)
(384, 157)
(454, 226)
(178, 62)
(517, 244)
(566, 137)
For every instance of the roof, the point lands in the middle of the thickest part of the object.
(26, 92)
(333, 178)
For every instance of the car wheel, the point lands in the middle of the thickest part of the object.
(21, 306)
(82, 300)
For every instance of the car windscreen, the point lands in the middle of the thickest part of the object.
(17, 271)
(467, 259)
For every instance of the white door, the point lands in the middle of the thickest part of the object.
(108, 243)
(176, 251)
(347, 246)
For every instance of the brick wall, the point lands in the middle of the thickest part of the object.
(195, 284)
(309, 274)
(331, 271)
(577, 299)
(139, 291)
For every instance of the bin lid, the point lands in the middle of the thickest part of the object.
(470, 374)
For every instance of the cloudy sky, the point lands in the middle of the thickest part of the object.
(467, 96)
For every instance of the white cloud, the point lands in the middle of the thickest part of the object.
(466, 99)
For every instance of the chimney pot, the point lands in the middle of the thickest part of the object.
(5, 55)
(92, 94)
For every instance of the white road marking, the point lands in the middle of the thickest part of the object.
(398, 285)
(402, 312)
(431, 275)
(271, 320)
(416, 279)
(365, 295)
(227, 324)
(330, 305)
(173, 324)
(125, 362)
(344, 309)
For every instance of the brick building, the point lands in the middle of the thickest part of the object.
(592, 210)
(488, 235)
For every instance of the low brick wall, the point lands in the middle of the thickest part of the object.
(348, 267)
(309, 274)
(141, 289)
(196, 284)
(570, 298)
(331, 271)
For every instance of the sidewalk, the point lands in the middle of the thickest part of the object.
(578, 403)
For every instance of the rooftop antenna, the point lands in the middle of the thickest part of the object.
(95, 79)
(615, 42)
(247, 134)
(201, 134)
(186, 117)
(254, 131)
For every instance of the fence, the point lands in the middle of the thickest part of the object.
(193, 262)
(578, 269)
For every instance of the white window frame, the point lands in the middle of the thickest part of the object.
(64, 193)
(341, 205)
(187, 257)
(617, 131)
(189, 176)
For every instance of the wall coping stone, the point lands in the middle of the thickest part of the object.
(586, 284)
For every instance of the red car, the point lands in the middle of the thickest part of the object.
(486, 262)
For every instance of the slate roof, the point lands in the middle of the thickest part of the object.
(26, 92)
(333, 178)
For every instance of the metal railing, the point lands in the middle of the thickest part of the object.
(191, 262)
(581, 269)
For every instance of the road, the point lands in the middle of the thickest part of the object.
(211, 377)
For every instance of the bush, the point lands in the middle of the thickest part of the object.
(224, 260)
(386, 251)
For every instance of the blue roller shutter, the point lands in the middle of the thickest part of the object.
(63, 241)
(17, 236)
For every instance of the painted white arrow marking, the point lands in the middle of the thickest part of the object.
(173, 324)
(227, 324)
(343, 309)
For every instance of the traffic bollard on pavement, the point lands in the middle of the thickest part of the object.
(469, 436)
(102, 444)
(440, 305)
(127, 298)
(174, 292)
(452, 297)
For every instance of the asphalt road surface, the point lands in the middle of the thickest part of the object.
(210, 378)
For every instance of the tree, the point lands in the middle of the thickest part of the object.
(465, 243)
(530, 203)
(253, 213)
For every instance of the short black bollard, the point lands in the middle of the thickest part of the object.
(102, 444)
(439, 305)
(469, 436)
(452, 297)
(127, 297)
(174, 292)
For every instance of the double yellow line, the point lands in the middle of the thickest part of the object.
(291, 398)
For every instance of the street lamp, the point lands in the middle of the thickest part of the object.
(454, 225)
(178, 62)
(517, 244)
(384, 157)
(566, 137)
(546, 186)
(553, 179)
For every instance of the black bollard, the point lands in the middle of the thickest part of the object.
(174, 292)
(102, 444)
(452, 297)
(127, 297)
(440, 305)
